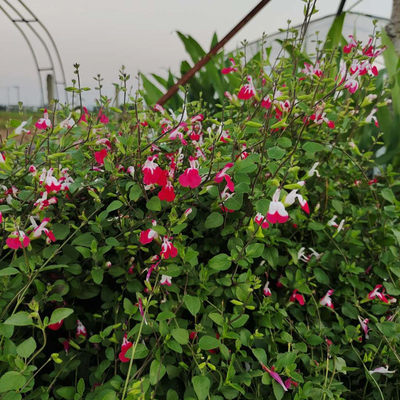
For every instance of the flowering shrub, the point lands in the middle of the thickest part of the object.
(250, 253)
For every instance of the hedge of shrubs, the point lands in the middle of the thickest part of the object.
(248, 253)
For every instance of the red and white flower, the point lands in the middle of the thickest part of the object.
(141, 310)
(152, 173)
(313, 171)
(375, 293)
(166, 280)
(221, 175)
(43, 123)
(369, 50)
(100, 156)
(126, 345)
(19, 129)
(131, 171)
(67, 123)
(167, 192)
(364, 326)
(327, 300)
(248, 90)
(332, 222)
(190, 177)
(80, 329)
(350, 45)
(382, 370)
(148, 235)
(228, 70)
(18, 240)
(43, 202)
(259, 219)
(56, 326)
(311, 70)
(274, 375)
(277, 212)
(267, 291)
(39, 229)
(297, 297)
(266, 102)
(168, 249)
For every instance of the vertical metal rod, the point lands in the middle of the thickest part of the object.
(64, 81)
(341, 6)
(42, 41)
(31, 49)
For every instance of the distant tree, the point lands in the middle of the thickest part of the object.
(393, 27)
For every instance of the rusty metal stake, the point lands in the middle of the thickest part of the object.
(173, 89)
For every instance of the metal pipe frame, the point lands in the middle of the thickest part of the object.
(44, 39)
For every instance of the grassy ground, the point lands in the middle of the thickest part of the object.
(7, 116)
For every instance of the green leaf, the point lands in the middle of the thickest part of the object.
(255, 250)
(151, 92)
(141, 352)
(84, 239)
(192, 303)
(278, 390)
(284, 142)
(21, 318)
(26, 348)
(66, 392)
(214, 220)
(135, 192)
(335, 33)
(12, 396)
(312, 147)
(180, 335)
(235, 202)
(208, 342)
(201, 385)
(154, 204)
(129, 308)
(276, 153)
(157, 371)
(220, 262)
(350, 311)
(217, 318)
(314, 340)
(164, 315)
(97, 275)
(115, 205)
(172, 395)
(254, 124)
(316, 226)
(261, 355)
(389, 329)
(81, 386)
(262, 206)
(338, 206)
(388, 195)
(8, 271)
(11, 380)
(61, 231)
(60, 313)
(321, 276)
(192, 47)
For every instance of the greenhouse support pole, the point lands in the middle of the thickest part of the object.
(341, 6)
(186, 77)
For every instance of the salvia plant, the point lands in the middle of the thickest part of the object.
(251, 252)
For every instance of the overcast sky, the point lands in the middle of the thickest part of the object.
(102, 35)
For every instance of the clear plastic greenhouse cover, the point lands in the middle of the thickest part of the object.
(357, 24)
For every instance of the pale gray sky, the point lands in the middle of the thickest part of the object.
(102, 35)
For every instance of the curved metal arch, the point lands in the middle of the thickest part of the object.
(45, 40)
